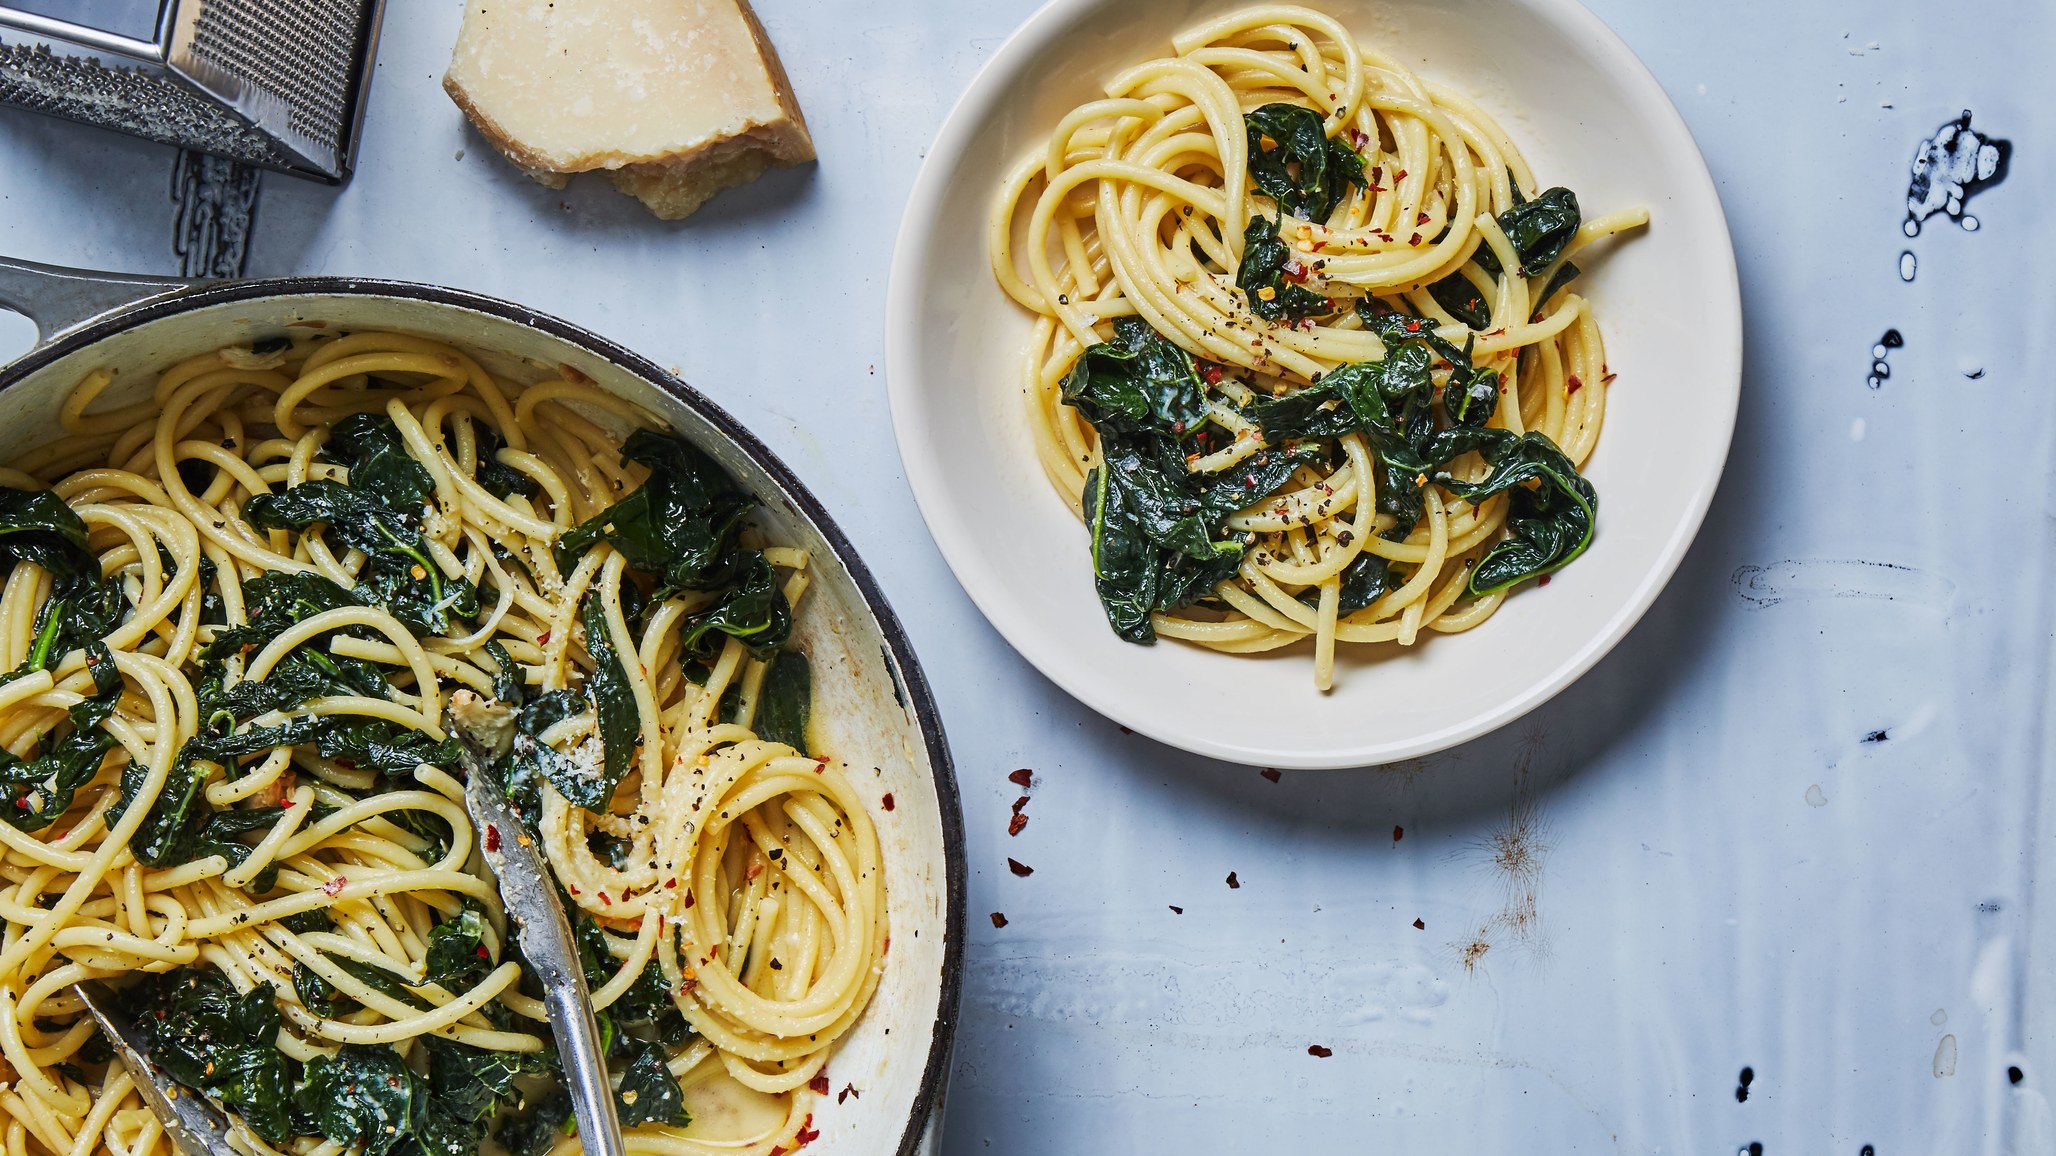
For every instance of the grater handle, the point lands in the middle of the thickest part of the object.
(56, 298)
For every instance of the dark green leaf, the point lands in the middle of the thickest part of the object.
(207, 1037)
(620, 720)
(755, 612)
(648, 1094)
(1270, 277)
(36, 526)
(1547, 526)
(1138, 381)
(786, 701)
(34, 792)
(1541, 229)
(683, 524)
(1563, 276)
(1462, 300)
(1293, 160)
(457, 957)
(362, 1095)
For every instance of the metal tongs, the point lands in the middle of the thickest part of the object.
(530, 897)
(199, 1128)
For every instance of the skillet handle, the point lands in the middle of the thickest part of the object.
(56, 298)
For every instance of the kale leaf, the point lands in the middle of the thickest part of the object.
(35, 792)
(457, 956)
(648, 1093)
(786, 701)
(1540, 230)
(682, 525)
(1137, 382)
(1292, 158)
(207, 1037)
(1270, 277)
(1548, 526)
(755, 612)
(363, 1095)
(36, 526)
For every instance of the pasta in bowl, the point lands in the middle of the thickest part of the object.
(1238, 251)
(255, 590)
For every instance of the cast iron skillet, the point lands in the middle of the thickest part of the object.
(873, 706)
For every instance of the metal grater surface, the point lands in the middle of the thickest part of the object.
(274, 83)
(130, 100)
(303, 51)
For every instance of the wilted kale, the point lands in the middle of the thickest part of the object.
(1270, 277)
(1137, 383)
(1292, 158)
(36, 526)
(378, 512)
(207, 1037)
(786, 701)
(1539, 231)
(363, 1095)
(35, 791)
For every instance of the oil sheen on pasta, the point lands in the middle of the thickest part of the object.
(1306, 357)
(242, 615)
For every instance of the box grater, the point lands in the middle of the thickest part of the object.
(275, 83)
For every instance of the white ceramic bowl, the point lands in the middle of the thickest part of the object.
(1586, 114)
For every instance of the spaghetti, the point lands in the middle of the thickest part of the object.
(1304, 356)
(243, 617)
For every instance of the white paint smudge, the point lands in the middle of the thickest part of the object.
(1815, 797)
(1908, 265)
(1856, 430)
(1940, 1017)
(1945, 1057)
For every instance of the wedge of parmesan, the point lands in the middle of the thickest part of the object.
(674, 100)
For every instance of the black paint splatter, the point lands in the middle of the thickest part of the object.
(1879, 371)
(1755, 1148)
(217, 206)
(1742, 1085)
(1951, 167)
(1868, 1151)
(2014, 1075)
(1877, 736)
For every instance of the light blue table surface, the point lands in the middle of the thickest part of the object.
(1689, 863)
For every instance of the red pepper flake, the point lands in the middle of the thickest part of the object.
(847, 1091)
(1212, 374)
(1015, 824)
(886, 802)
(543, 639)
(776, 1150)
(334, 887)
(287, 805)
(1542, 581)
(1421, 220)
(998, 920)
(492, 837)
(1021, 778)
(1318, 1052)
(1175, 909)
(688, 900)
(1414, 240)
(1020, 868)
(754, 869)
(574, 888)
(819, 1084)
(807, 1135)
(670, 884)
(1271, 773)
(1319, 245)
(1232, 881)
(1295, 272)
(1398, 176)
(1572, 384)
(1398, 832)
(482, 953)
(1419, 926)
(1020, 803)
